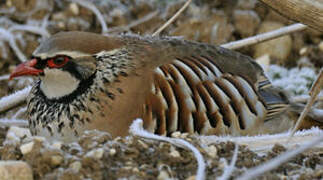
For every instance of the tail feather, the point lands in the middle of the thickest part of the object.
(275, 99)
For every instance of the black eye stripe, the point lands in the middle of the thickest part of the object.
(41, 64)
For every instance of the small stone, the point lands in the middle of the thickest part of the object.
(57, 145)
(215, 29)
(212, 151)
(303, 51)
(127, 168)
(56, 160)
(163, 175)
(321, 46)
(176, 134)
(246, 22)
(135, 169)
(279, 48)
(128, 163)
(184, 135)
(26, 148)
(96, 153)
(11, 170)
(58, 16)
(61, 25)
(112, 152)
(174, 153)
(74, 8)
(142, 144)
(76, 166)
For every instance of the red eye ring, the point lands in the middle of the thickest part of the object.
(57, 62)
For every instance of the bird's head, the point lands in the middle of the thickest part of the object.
(65, 60)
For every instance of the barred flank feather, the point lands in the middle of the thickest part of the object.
(193, 95)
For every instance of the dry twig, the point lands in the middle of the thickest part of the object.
(315, 89)
(309, 12)
(229, 169)
(13, 100)
(95, 10)
(11, 39)
(4, 77)
(172, 19)
(264, 36)
(305, 98)
(134, 23)
(274, 163)
(13, 122)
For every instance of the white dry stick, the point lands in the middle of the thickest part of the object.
(33, 29)
(9, 37)
(274, 163)
(228, 170)
(315, 90)
(264, 36)
(136, 129)
(305, 98)
(92, 7)
(317, 114)
(14, 99)
(13, 122)
(134, 23)
(172, 18)
(4, 77)
(19, 113)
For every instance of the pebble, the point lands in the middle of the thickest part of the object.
(96, 153)
(112, 152)
(176, 134)
(163, 175)
(26, 148)
(243, 19)
(184, 135)
(321, 46)
(57, 145)
(303, 51)
(174, 153)
(279, 48)
(56, 160)
(211, 151)
(142, 144)
(74, 8)
(15, 170)
(76, 166)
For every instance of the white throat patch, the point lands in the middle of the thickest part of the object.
(57, 83)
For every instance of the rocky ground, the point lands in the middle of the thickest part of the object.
(96, 155)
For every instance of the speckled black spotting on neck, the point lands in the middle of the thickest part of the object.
(49, 110)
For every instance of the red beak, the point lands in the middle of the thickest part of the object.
(26, 68)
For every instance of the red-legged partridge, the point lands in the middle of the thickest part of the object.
(90, 81)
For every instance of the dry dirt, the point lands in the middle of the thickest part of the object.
(97, 156)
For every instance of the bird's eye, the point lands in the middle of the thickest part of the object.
(57, 62)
